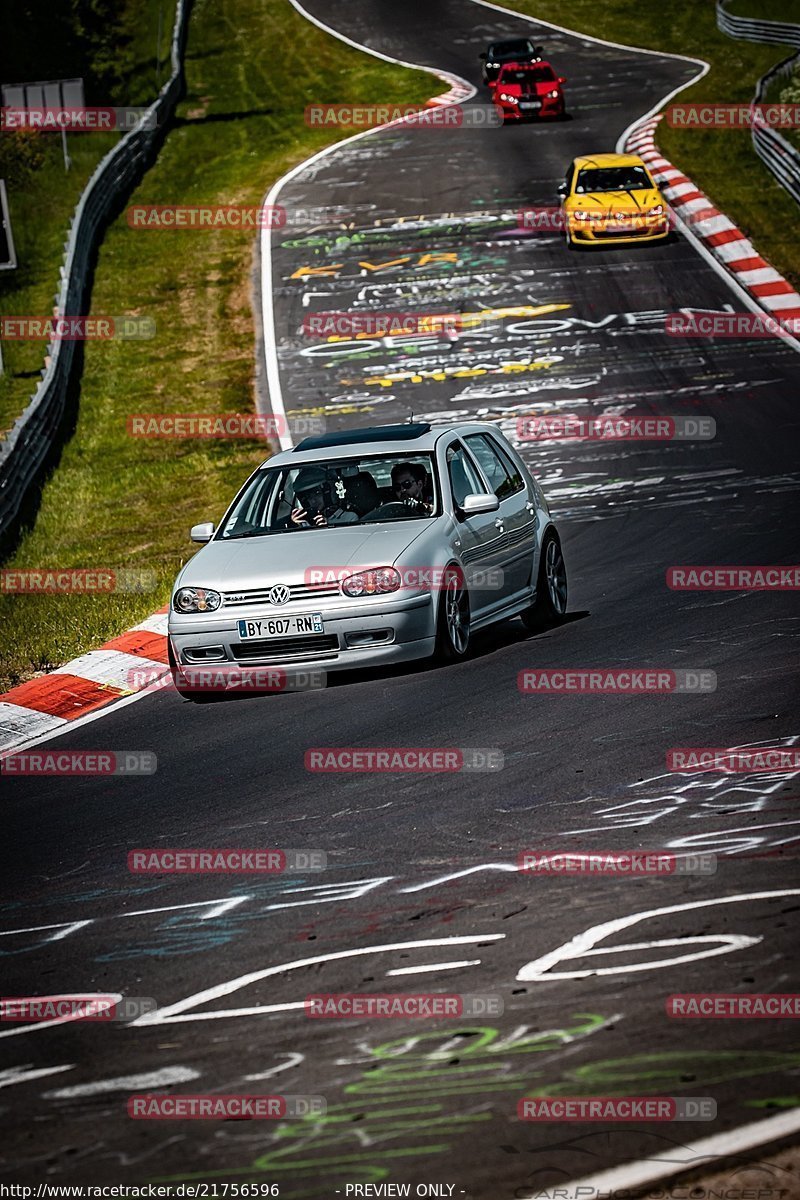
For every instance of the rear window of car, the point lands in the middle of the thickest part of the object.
(504, 49)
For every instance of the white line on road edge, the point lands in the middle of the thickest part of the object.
(707, 1151)
(267, 309)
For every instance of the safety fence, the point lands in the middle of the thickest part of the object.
(781, 158)
(36, 435)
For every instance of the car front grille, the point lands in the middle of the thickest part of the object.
(279, 649)
(297, 591)
(633, 231)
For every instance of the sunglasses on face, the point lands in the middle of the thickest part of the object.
(403, 484)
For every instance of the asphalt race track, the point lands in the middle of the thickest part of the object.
(421, 891)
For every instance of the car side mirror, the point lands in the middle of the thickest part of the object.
(562, 189)
(562, 79)
(539, 49)
(483, 56)
(476, 503)
(202, 533)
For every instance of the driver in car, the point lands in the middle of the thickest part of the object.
(313, 505)
(408, 485)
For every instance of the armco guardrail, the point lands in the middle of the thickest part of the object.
(778, 155)
(35, 435)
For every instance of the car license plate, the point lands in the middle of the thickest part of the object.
(530, 104)
(273, 627)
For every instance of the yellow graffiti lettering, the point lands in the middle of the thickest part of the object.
(303, 272)
(429, 258)
(395, 262)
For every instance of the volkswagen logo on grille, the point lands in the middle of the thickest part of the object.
(279, 594)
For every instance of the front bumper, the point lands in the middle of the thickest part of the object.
(403, 629)
(549, 108)
(613, 232)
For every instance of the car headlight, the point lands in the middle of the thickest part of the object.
(553, 95)
(372, 583)
(509, 99)
(658, 211)
(195, 599)
(580, 215)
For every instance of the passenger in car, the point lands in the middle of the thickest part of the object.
(314, 505)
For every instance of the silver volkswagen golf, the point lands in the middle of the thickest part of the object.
(367, 547)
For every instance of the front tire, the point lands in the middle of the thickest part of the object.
(453, 623)
(550, 606)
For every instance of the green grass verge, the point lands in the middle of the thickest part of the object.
(42, 194)
(723, 164)
(116, 501)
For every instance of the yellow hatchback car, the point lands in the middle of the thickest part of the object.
(612, 198)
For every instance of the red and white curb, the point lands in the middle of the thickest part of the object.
(48, 704)
(714, 230)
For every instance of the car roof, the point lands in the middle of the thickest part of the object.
(383, 440)
(507, 41)
(608, 160)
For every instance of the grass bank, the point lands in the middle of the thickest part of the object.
(116, 501)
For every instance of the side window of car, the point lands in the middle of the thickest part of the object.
(500, 480)
(517, 482)
(464, 479)
(568, 177)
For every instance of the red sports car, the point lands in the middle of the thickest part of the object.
(526, 91)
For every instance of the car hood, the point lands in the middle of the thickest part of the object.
(531, 89)
(636, 201)
(285, 557)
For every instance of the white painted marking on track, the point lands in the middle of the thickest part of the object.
(19, 1030)
(294, 1057)
(27, 1072)
(123, 1083)
(442, 966)
(703, 1152)
(66, 928)
(538, 969)
(215, 907)
(171, 1013)
(419, 887)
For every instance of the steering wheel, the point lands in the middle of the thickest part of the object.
(392, 508)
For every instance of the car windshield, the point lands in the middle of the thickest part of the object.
(527, 75)
(612, 179)
(322, 494)
(510, 49)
